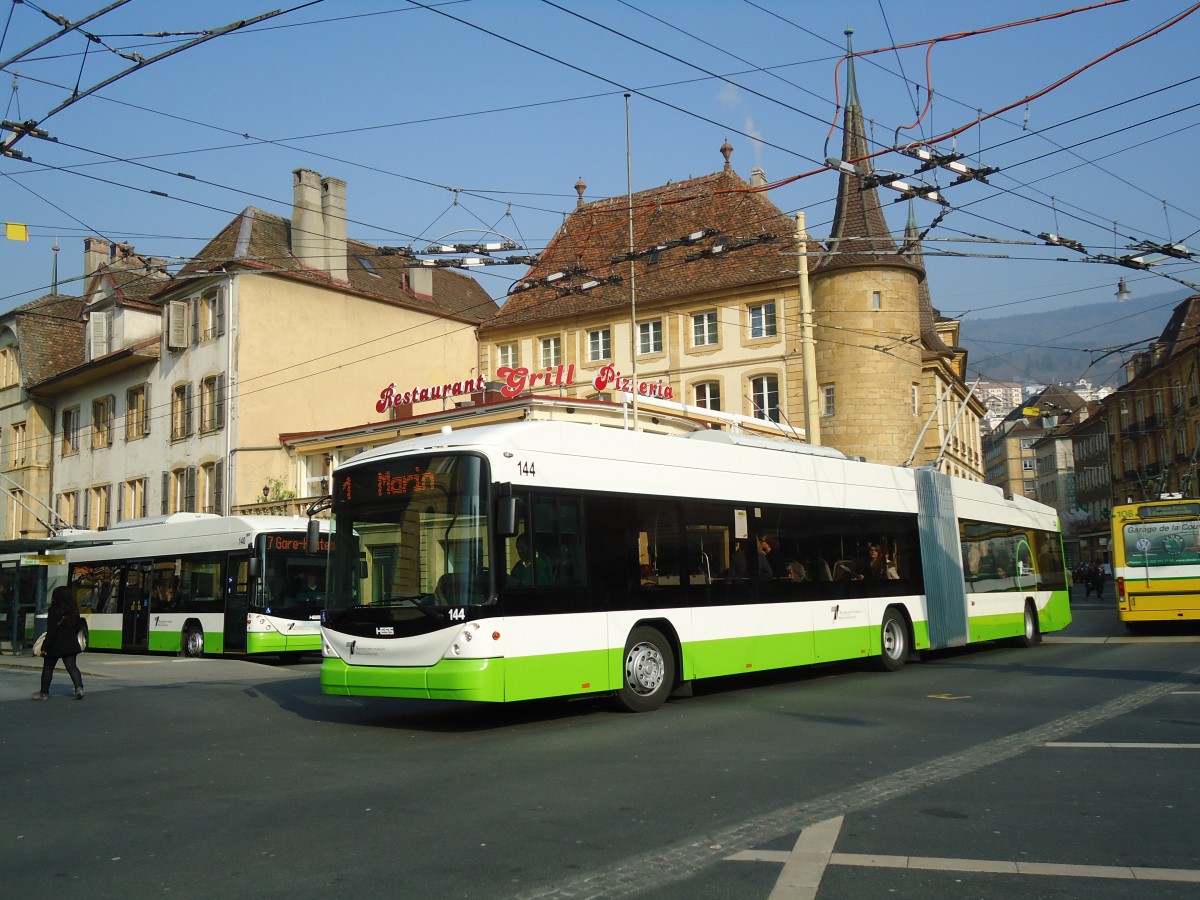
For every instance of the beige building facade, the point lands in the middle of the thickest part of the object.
(184, 386)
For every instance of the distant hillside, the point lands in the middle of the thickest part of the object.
(1039, 347)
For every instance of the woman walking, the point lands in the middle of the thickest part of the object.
(62, 642)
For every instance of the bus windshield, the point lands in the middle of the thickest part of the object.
(410, 535)
(293, 582)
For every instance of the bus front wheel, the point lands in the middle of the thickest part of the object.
(648, 674)
(893, 642)
(193, 641)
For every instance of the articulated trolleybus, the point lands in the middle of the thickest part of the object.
(543, 559)
(196, 583)
(1156, 561)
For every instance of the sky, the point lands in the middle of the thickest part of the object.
(472, 120)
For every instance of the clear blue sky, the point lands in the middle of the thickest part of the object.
(512, 101)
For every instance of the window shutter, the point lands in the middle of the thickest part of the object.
(219, 402)
(187, 410)
(196, 321)
(177, 325)
(144, 506)
(166, 493)
(121, 502)
(99, 322)
(219, 487)
(189, 491)
(146, 409)
(106, 513)
(220, 311)
(87, 509)
(112, 412)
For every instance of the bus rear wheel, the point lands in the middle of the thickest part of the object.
(1029, 628)
(192, 645)
(648, 674)
(893, 642)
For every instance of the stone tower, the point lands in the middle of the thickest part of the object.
(866, 315)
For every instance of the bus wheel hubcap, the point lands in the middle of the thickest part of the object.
(644, 669)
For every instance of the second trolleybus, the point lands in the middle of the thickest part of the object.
(543, 559)
(196, 583)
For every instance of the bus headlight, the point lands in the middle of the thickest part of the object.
(464, 637)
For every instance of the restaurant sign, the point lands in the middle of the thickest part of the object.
(516, 380)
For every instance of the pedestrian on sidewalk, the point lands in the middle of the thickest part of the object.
(62, 642)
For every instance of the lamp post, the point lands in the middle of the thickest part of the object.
(808, 352)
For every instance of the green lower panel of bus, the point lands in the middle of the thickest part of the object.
(450, 679)
(104, 640)
(274, 642)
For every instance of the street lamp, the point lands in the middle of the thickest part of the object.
(1123, 293)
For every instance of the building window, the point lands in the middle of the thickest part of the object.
(708, 395)
(70, 431)
(9, 368)
(704, 329)
(212, 403)
(551, 352)
(102, 415)
(764, 396)
(599, 344)
(650, 337)
(17, 446)
(209, 320)
(181, 412)
(916, 399)
(876, 299)
(68, 506)
(98, 506)
(506, 355)
(133, 500)
(762, 320)
(1028, 465)
(137, 412)
(179, 494)
(212, 484)
(828, 400)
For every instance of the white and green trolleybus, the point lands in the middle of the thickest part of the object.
(196, 583)
(542, 559)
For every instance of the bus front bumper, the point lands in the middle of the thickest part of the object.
(449, 679)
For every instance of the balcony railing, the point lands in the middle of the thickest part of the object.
(293, 506)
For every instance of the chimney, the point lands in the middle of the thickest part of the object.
(420, 279)
(758, 178)
(96, 253)
(333, 211)
(308, 230)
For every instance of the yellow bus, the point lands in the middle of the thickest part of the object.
(1156, 561)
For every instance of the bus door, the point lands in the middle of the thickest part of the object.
(135, 605)
(237, 602)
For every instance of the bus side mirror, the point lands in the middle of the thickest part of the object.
(312, 544)
(254, 569)
(506, 516)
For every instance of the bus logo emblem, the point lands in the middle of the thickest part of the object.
(385, 631)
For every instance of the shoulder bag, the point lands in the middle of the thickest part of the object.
(39, 646)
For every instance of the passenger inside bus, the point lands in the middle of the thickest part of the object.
(530, 567)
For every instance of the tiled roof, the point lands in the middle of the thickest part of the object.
(594, 243)
(50, 332)
(261, 240)
(1182, 331)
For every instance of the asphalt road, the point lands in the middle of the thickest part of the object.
(1063, 770)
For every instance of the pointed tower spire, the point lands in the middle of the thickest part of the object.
(860, 234)
(851, 85)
